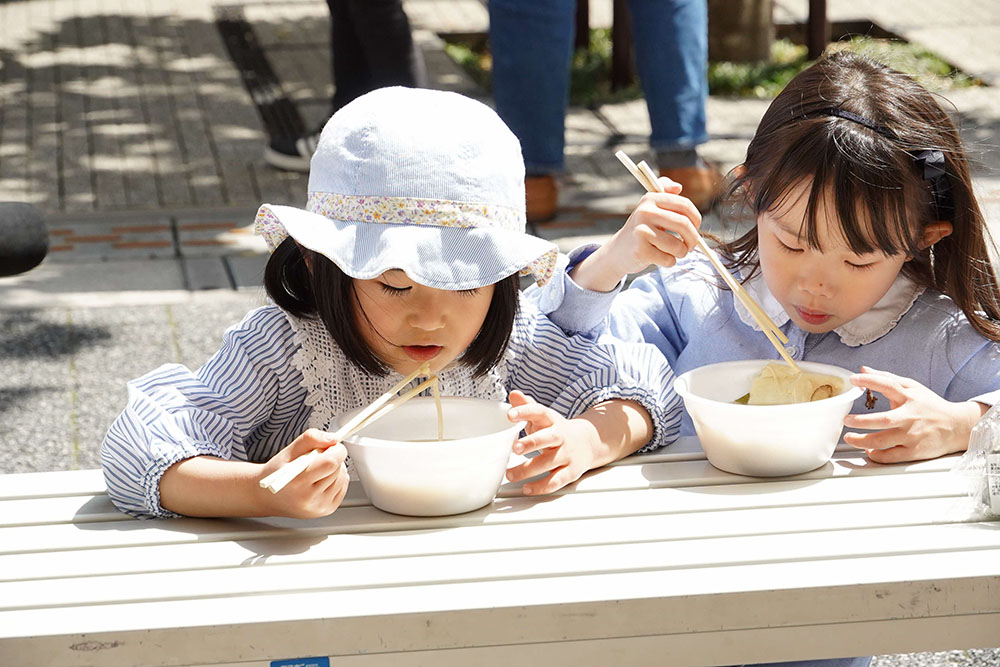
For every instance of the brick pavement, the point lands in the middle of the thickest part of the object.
(130, 106)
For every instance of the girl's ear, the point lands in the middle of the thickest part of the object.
(306, 256)
(934, 232)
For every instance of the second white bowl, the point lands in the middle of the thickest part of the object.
(762, 440)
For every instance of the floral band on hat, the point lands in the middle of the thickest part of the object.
(542, 268)
(411, 211)
(397, 211)
(415, 211)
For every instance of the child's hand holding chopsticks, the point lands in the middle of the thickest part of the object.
(312, 467)
(320, 488)
(662, 228)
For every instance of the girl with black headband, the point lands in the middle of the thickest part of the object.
(869, 250)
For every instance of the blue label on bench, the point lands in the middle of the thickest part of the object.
(302, 662)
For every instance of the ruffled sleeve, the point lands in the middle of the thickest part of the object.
(174, 414)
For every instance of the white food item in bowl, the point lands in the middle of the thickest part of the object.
(779, 384)
(762, 440)
(405, 469)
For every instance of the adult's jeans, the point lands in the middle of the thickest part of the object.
(371, 47)
(532, 46)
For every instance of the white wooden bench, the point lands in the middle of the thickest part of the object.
(659, 560)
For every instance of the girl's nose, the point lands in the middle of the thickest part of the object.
(427, 315)
(815, 281)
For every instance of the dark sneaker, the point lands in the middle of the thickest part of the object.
(291, 153)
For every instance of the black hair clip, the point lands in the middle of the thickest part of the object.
(932, 165)
(930, 161)
(860, 120)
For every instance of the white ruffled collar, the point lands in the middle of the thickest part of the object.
(868, 327)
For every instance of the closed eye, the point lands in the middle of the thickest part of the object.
(861, 267)
(393, 291)
(788, 248)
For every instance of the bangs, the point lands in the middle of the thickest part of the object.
(857, 176)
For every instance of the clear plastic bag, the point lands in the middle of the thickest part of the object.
(980, 465)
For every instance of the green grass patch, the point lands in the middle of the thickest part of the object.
(590, 75)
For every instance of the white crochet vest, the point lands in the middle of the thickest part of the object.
(334, 385)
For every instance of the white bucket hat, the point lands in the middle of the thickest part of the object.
(426, 181)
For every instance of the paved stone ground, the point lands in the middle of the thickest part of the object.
(126, 123)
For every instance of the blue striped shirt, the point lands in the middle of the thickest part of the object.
(249, 400)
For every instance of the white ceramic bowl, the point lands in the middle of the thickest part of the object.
(404, 469)
(762, 440)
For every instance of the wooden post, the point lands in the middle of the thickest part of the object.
(622, 66)
(582, 24)
(740, 30)
(817, 29)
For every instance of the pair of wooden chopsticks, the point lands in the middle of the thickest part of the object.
(644, 174)
(379, 408)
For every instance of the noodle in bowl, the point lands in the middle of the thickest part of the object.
(405, 469)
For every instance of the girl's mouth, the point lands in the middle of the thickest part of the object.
(811, 317)
(422, 352)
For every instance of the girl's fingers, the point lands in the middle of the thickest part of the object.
(537, 465)
(898, 454)
(654, 249)
(876, 421)
(309, 440)
(543, 439)
(678, 204)
(330, 491)
(875, 371)
(886, 384)
(873, 441)
(327, 486)
(559, 478)
(537, 415)
(518, 397)
(669, 186)
(341, 481)
(670, 220)
(325, 465)
(667, 243)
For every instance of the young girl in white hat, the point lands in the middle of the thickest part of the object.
(409, 251)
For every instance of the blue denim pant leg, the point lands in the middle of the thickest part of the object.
(532, 45)
(864, 661)
(670, 38)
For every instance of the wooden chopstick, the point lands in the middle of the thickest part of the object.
(431, 383)
(644, 174)
(378, 408)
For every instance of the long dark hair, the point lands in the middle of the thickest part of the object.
(858, 130)
(327, 293)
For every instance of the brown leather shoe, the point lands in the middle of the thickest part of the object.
(702, 184)
(542, 198)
